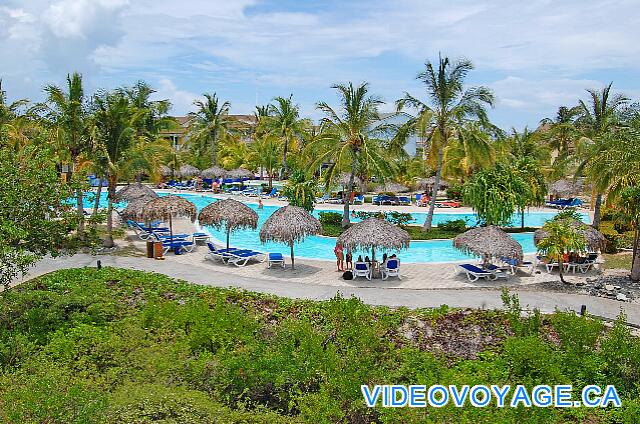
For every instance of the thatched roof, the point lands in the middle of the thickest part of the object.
(289, 224)
(213, 172)
(392, 188)
(565, 188)
(166, 207)
(594, 238)
(241, 173)
(229, 212)
(134, 208)
(374, 232)
(488, 242)
(343, 179)
(134, 191)
(187, 171)
(165, 171)
(426, 183)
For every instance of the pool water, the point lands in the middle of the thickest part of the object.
(319, 247)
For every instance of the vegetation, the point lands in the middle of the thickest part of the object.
(562, 240)
(123, 346)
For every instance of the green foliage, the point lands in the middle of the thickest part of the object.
(456, 225)
(562, 239)
(31, 195)
(300, 190)
(495, 194)
(334, 218)
(394, 217)
(568, 214)
(120, 346)
(455, 192)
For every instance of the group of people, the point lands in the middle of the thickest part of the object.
(345, 262)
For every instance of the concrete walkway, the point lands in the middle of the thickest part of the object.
(394, 297)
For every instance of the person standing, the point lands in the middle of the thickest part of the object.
(339, 256)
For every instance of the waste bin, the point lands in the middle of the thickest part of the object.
(150, 249)
(157, 249)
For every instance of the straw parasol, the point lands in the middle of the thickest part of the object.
(233, 214)
(133, 210)
(426, 183)
(289, 225)
(372, 233)
(565, 188)
(188, 171)
(344, 177)
(489, 242)
(213, 172)
(241, 173)
(594, 238)
(392, 188)
(165, 171)
(166, 208)
(134, 191)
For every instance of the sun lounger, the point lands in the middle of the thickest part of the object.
(474, 273)
(240, 258)
(275, 259)
(196, 237)
(361, 269)
(177, 246)
(358, 200)
(391, 269)
(497, 270)
(514, 265)
(404, 200)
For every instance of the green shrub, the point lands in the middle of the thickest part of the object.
(454, 192)
(398, 218)
(456, 225)
(330, 218)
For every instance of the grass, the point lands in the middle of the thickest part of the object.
(617, 260)
(120, 346)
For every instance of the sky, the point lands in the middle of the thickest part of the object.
(536, 55)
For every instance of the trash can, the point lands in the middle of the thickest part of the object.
(157, 249)
(150, 249)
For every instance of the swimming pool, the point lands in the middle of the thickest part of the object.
(319, 247)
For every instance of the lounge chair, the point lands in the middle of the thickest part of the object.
(196, 237)
(215, 253)
(404, 200)
(241, 257)
(448, 204)
(359, 199)
(497, 270)
(588, 263)
(474, 273)
(514, 265)
(323, 199)
(275, 259)
(177, 246)
(361, 269)
(391, 269)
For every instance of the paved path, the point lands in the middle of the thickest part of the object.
(412, 298)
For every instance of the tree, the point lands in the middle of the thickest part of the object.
(346, 138)
(209, 123)
(561, 133)
(535, 187)
(13, 123)
(448, 107)
(631, 204)
(470, 150)
(264, 153)
(67, 111)
(301, 191)
(599, 117)
(495, 194)
(284, 120)
(32, 196)
(116, 123)
(562, 239)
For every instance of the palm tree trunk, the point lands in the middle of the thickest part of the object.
(108, 241)
(596, 211)
(292, 260)
(284, 168)
(434, 191)
(79, 198)
(635, 264)
(96, 202)
(213, 148)
(347, 198)
(560, 268)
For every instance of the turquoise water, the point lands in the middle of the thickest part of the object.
(318, 247)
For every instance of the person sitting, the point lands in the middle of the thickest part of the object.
(260, 205)
(384, 259)
(359, 258)
(367, 260)
(353, 214)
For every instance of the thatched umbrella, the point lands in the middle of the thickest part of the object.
(289, 225)
(189, 171)
(489, 242)
(166, 208)
(134, 191)
(213, 172)
(343, 180)
(372, 233)
(133, 210)
(392, 187)
(594, 238)
(165, 171)
(241, 173)
(427, 183)
(230, 213)
(565, 188)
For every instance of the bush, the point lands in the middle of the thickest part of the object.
(456, 225)
(454, 192)
(398, 218)
(330, 218)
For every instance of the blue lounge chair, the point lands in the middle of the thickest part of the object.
(404, 200)
(474, 273)
(359, 199)
(391, 269)
(275, 259)
(361, 269)
(178, 246)
(498, 271)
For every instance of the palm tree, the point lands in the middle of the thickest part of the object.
(68, 112)
(209, 123)
(116, 121)
(561, 132)
(154, 116)
(448, 107)
(562, 239)
(264, 153)
(471, 149)
(284, 120)
(346, 138)
(598, 118)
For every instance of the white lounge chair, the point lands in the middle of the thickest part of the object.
(391, 269)
(474, 273)
(361, 269)
(275, 259)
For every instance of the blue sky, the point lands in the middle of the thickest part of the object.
(535, 55)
